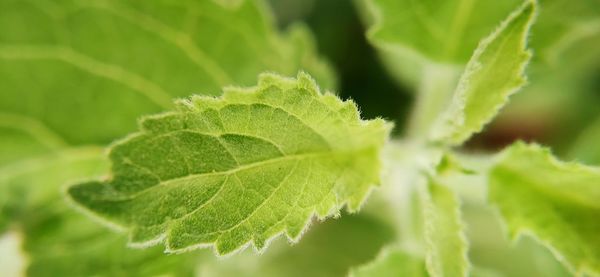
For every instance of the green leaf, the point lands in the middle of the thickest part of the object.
(63, 63)
(446, 243)
(561, 93)
(57, 241)
(62, 242)
(330, 249)
(241, 168)
(586, 148)
(494, 72)
(561, 25)
(390, 263)
(411, 34)
(553, 201)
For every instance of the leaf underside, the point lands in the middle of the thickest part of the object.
(241, 168)
(553, 201)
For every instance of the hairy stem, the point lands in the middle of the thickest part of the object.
(408, 166)
(435, 91)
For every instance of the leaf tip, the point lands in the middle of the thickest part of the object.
(82, 198)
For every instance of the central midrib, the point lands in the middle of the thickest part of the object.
(330, 153)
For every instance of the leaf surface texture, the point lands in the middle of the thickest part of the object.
(241, 168)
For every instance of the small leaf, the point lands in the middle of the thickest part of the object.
(494, 72)
(241, 168)
(553, 201)
(392, 262)
(446, 243)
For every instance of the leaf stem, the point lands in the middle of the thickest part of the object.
(408, 162)
(435, 91)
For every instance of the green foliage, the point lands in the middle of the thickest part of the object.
(556, 202)
(446, 245)
(414, 34)
(241, 168)
(492, 253)
(53, 233)
(231, 164)
(132, 58)
(586, 148)
(560, 96)
(55, 248)
(80, 72)
(494, 72)
(329, 249)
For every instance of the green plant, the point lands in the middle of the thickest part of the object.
(243, 165)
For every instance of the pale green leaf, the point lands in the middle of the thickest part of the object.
(330, 249)
(412, 34)
(553, 201)
(241, 168)
(446, 244)
(392, 262)
(86, 70)
(561, 94)
(57, 241)
(494, 72)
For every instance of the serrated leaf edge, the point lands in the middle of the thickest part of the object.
(303, 80)
(473, 66)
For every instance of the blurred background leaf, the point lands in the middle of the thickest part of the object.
(56, 239)
(88, 69)
(330, 249)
